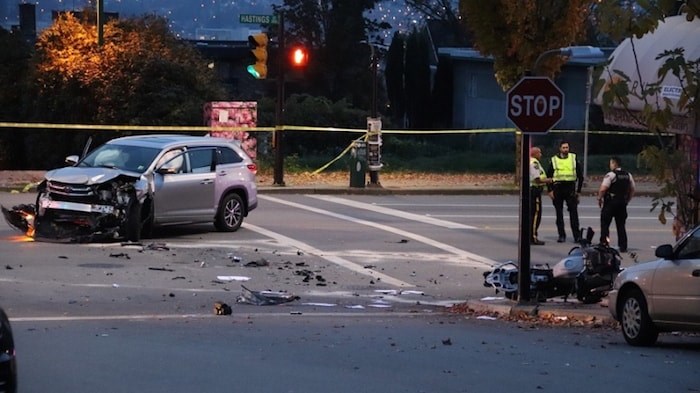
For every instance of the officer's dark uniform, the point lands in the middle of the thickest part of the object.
(615, 206)
(568, 180)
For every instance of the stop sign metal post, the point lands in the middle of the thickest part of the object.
(535, 105)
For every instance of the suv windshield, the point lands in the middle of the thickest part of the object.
(125, 157)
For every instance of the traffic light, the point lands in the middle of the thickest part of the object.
(299, 56)
(258, 50)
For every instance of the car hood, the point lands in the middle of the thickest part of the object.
(86, 175)
(639, 270)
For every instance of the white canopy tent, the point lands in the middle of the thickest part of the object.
(674, 32)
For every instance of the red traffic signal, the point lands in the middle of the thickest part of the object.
(299, 56)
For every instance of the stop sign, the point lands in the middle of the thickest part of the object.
(535, 104)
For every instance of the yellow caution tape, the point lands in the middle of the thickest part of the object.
(180, 129)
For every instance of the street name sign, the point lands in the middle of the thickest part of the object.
(535, 105)
(259, 19)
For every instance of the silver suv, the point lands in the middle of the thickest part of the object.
(127, 186)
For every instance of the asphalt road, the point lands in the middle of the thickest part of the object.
(371, 273)
(346, 250)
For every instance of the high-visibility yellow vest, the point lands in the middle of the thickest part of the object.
(564, 168)
(537, 173)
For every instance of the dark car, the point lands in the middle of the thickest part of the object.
(8, 363)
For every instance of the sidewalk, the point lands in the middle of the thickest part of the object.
(390, 184)
(555, 311)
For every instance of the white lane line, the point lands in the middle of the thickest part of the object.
(306, 312)
(392, 212)
(493, 205)
(473, 260)
(331, 258)
(515, 217)
(114, 286)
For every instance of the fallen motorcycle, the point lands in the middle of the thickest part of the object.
(587, 272)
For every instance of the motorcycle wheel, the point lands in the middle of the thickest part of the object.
(584, 294)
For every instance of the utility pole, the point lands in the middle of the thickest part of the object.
(278, 136)
(373, 173)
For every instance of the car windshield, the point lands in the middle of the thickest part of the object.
(125, 157)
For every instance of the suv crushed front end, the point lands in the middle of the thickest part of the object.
(82, 205)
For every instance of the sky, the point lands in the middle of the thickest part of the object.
(198, 19)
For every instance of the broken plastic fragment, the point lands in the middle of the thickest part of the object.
(264, 298)
(320, 304)
(487, 318)
(491, 298)
(233, 278)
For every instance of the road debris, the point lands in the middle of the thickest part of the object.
(264, 298)
(120, 255)
(156, 247)
(221, 308)
(233, 278)
(162, 269)
(259, 263)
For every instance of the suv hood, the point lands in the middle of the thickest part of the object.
(86, 175)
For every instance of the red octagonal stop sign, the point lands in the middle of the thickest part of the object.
(535, 104)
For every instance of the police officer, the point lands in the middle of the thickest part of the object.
(615, 192)
(538, 179)
(567, 177)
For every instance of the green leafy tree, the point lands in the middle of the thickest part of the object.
(445, 11)
(141, 75)
(337, 32)
(673, 163)
(515, 33)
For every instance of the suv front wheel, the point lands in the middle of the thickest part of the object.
(230, 215)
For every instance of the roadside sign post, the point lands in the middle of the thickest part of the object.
(534, 105)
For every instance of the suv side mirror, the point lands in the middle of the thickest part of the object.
(72, 160)
(165, 170)
(664, 251)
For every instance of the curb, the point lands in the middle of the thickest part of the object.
(553, 310)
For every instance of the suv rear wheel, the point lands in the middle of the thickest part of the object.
(230, 215)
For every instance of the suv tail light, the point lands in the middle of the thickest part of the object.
(253, 168)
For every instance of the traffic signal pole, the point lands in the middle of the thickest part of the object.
(525, 224)
(374, 174)
(278, 136)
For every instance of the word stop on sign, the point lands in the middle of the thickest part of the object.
(534, 105)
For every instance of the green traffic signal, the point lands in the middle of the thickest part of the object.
(258, 45)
